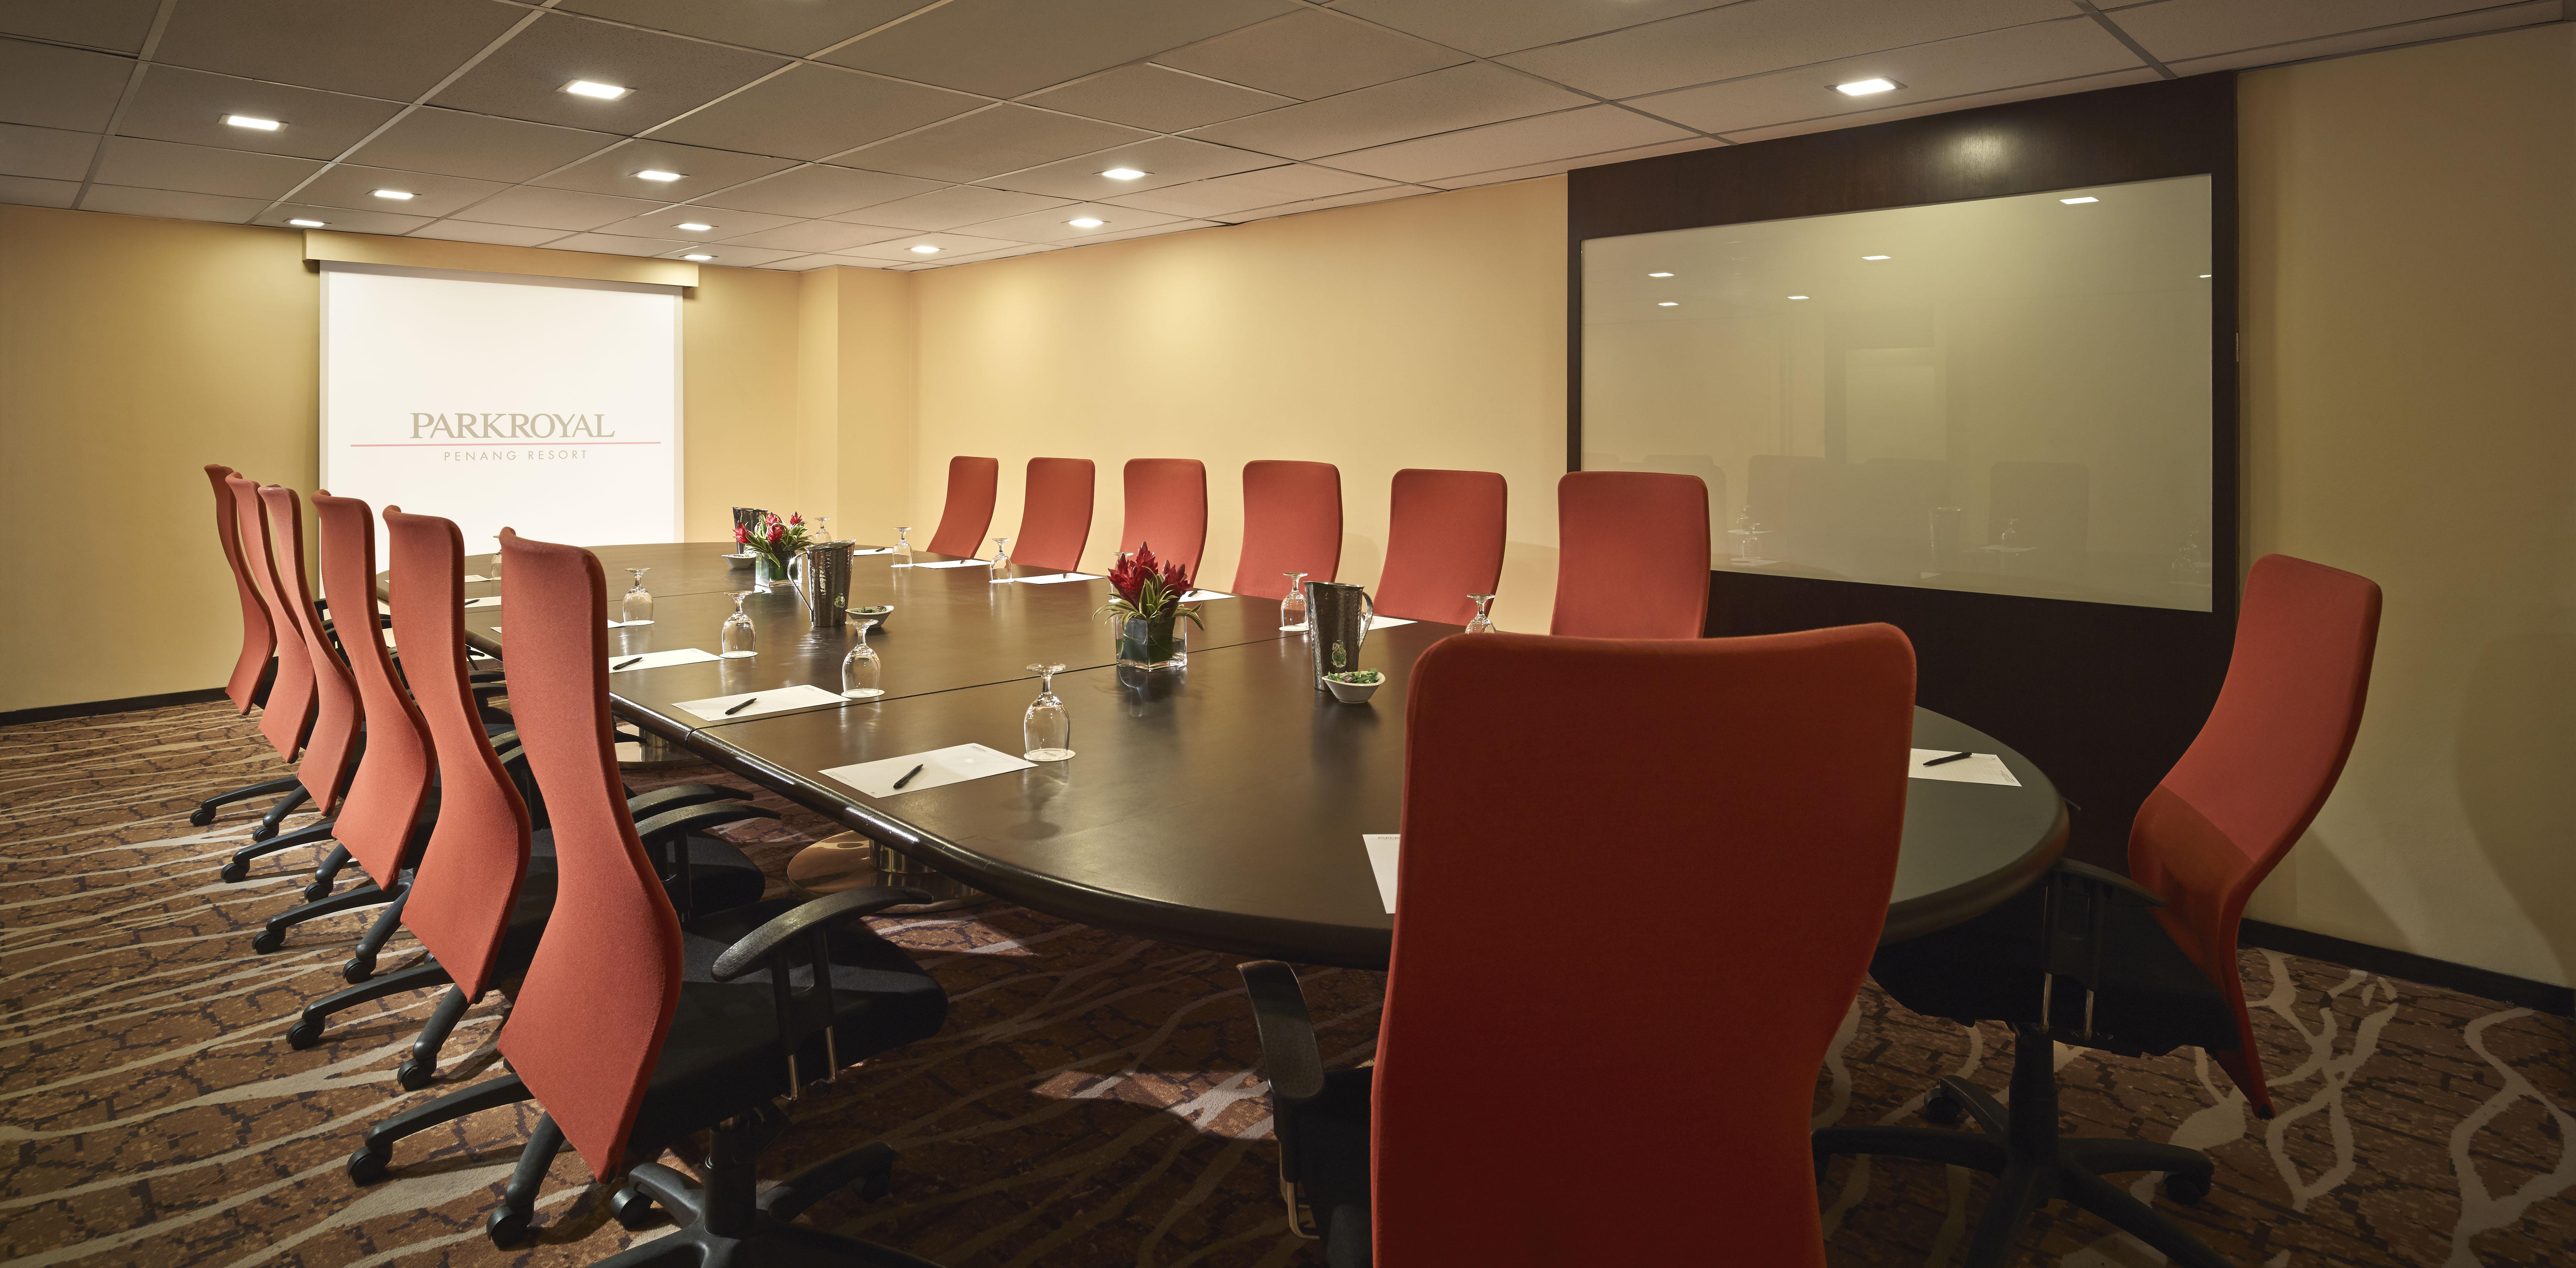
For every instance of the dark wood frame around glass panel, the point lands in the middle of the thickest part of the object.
(2104, 696)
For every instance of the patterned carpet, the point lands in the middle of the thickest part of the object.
(1091, 1102)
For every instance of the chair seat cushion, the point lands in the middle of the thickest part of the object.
(1333, 1144)
(2151, 999)
(724, 879)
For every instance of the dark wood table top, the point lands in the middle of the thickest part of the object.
(1219, 806)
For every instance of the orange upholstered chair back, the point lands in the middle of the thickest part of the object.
(1444, 541)
(331, 748)
(286, 717)
(1166, 509)
(1632, 555)
(259, 638)
(969, 510)
(392, 782)
(1055, 515)
(1292, 522)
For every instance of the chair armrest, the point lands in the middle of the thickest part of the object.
(484, 675)
(646, 804)
(749, 951)
(1289, 1058)
(666, 839)
(2104, 880)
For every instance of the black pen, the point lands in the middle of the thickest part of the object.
(624, 663)
(907, 778)
(740, 707)
(1954, 757)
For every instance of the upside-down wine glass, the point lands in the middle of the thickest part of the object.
(1048, 729)
(637, 607)
(1483, 621)
(822, 528)
(738, 640)
(861, 669)
(903, 547)
(1292, 610)
(1001, 558)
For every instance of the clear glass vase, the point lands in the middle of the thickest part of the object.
(1152, 642)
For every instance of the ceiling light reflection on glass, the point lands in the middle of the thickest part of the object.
(1668, 303)
(1659, 275)
(586, 88)
(1870, 257)
(1798, 297)
(254, 124)
(307, 224)
(1124, 174)
(1866, 87)
(2088, 198)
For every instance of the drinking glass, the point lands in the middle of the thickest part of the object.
(738, 641)
(1483, 621)
(903, 547)
(861, 669)
(1048, 729)
(637, 609)
(1001, 557)
(822, 528)
(1292, 610)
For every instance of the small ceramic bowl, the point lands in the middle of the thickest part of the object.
(880, 614)
(1354, 692)
(742, 560)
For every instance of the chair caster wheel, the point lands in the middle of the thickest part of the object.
(366, 1167)
(1943, 1110)
(262, 832)
(358, 970)
(268, 940)
(304, 1033)
(413, 1076)
(630, 1208)
(506, 1228)
(317, 891)
(2186, 1189)
(201, 816)
(235, 872)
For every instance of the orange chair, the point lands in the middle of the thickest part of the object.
(1292, 522)
(1055, 515)
(249, 682)
(1632, 555)
(1167, 510)
(969, 510)
(256, 670)
(1444, 541)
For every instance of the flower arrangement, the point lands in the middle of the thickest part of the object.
(776, 542)
(1149, 589)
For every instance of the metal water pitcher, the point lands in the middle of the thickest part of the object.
(1337, 621)
(824, 583)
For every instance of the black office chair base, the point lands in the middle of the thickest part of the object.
(307, 1030)
(206, 810)
(238, 869)
(286, 805)
(273, 936)
(2033, 1164)
(375, 1156)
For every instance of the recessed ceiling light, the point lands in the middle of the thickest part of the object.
(1797, 297)
(307, 224)
(698, 256)
(1668, 303)
(649, 174)
(1865, 257)
(925, 249)
(246, 121)
(1864, 87)
(692, 226)
(605, 92)
(1086, 222)
(2088, 198)
(1659, 275)
(1122, 173)
(398, 195)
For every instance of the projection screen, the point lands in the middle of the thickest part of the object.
(2007, 395)
(547, 405)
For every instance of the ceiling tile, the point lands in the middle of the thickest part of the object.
(818, 235)
(34, 192)
(808, 263)
(2470, 23)
(344, 219)
(956, 205)
(1559, 166)
(170, 204)
(1165, 160)
(732, 256)
(1149, 96)
(2037, 53)
(611, 244)
(498, 235)
(668, 75)
(375, 48)
(2178, 29)
(1005, 138)
(200, 169)
(900, 250)
(1387, 194)
(701, 171)
(1764, 35)
(813, 111)
(349, 185)
(190, 105)
(1489, 27)
(1567, 134)
(482, 146)
(1051, 225)
(50, 153)
(818, 190)
(1442, 101)
(1004, 48)
(117, 25)
(797, 29)
(722, 224)
(554, 208)
(2023, 93)
(1312, 53)
(59, 87)
(1265, 188)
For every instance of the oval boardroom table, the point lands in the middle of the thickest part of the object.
(1219, 806)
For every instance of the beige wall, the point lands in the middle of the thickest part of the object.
(1426, 332)
(2410, 390)
(854, 401)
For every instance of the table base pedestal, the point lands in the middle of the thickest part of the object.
(848, 860)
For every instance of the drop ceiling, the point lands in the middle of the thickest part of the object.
(811, 133)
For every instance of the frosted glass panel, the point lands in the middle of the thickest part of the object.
(2008, 395)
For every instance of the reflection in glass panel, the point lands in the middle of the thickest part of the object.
(2007, 395)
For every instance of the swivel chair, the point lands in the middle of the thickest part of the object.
(969, 509)
(257, 662)
(285, 696)
(1444, 541)
(1292, 522)
(2143, 964)
(1632, 555)
(1460, 1146)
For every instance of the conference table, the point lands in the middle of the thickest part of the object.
(1221, 805)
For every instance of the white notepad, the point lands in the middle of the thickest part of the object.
(476, 576)
(487, 601)
(1051, 579)
(658, 660)
(1204, 596)
(875, 550)
(614, 625)
(772, 700)
(1984, 768)
(1381, 622)
(953, 563)
(1382, 849)
(939, 768)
